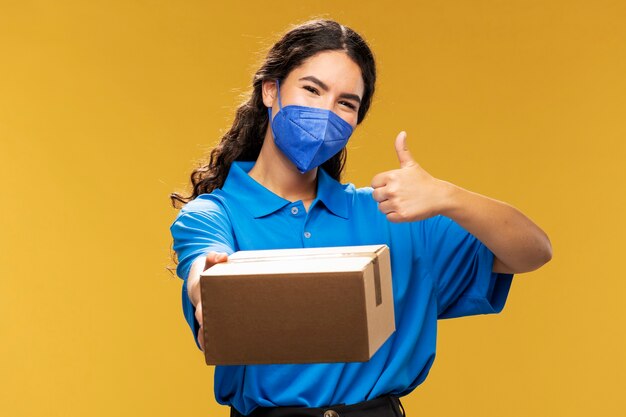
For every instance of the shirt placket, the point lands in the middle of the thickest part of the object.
(298, 211)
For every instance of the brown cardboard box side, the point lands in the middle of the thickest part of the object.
(298, 306)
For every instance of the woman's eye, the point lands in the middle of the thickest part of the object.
(344, 103)
(348, 104)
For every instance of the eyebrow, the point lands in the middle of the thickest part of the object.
(325, 88)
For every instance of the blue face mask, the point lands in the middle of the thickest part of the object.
(308, 136)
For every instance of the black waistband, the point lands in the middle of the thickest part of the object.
(385, 406)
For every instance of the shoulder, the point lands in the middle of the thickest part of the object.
(362, 196)
(205, 206)
(361, 200)
(204, 203)
(357, 194)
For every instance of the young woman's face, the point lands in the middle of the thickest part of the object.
(329, 80)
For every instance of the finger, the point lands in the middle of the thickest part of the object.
(220, 257)
(379, 180)
(404, 156)
(198, 313)
(379, 194)
(213, 258)
(201, 338)
(395, 217)
(386, 207)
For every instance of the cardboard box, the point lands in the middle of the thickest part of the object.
(312, 305)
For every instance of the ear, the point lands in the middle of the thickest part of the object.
(268, 89)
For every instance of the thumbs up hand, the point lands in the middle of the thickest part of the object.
(409, 193)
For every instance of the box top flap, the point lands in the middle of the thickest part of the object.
(294, 261)
(306, 251)
(289, 266)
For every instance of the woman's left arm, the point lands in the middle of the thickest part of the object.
(410, 193)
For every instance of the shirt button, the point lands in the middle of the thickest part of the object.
(307, 234)
(331, 413)
(294, 210)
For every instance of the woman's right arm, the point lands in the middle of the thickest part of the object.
(203, 228)
(193, 285)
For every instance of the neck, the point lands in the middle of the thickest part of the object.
(278, 174)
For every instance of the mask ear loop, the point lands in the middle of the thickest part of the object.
(280, 105)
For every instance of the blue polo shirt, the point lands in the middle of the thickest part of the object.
(439, 270)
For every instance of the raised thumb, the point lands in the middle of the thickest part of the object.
(404, 156)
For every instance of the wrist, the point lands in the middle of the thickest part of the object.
(450, 195)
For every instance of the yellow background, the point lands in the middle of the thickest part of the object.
(105, 107)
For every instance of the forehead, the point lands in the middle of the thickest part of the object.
(334, 68)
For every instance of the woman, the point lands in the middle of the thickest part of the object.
(275, 184)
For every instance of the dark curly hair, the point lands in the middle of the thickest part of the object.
(244, 139)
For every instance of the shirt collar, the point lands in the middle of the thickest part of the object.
(332, 193)
(260, 201)
(253, 196)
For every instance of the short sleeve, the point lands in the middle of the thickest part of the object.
(461, 267)
(195, 234)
